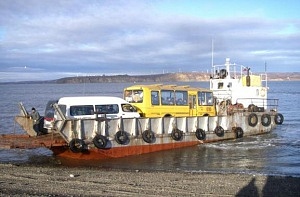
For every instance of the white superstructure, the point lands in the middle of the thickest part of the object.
(239, 87)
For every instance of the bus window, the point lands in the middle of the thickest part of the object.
(201, 98)
(154, 98)
(138, 96)
(133, 96)
(209, 97)
(205, 98)
(167, 97)
(128, 96)
(78, 110)
(181, 97)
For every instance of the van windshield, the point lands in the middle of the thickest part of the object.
(128, 108)
(107, 109)
(79, 110)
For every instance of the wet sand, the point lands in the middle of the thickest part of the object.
(28, 180)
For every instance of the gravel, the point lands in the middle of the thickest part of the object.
(30, 180)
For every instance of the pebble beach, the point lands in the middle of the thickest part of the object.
(30, 180)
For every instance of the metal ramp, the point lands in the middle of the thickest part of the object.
(12, 141)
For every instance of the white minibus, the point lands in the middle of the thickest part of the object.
(103, 106)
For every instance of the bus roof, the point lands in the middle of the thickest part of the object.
(166, 87)
(91, 100)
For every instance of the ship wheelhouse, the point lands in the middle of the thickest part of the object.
(239, 87)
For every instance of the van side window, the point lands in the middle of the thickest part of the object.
(79, 110)
(107, 109)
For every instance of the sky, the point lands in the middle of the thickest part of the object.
(51, 39)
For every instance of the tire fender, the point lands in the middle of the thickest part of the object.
(278, 119)
(200, 134)
(76, 145)
(266, 120)
(121, 137)
(239, 133)
(148, 136)
(100, 141)
(219, 131)
(177, 134)
(252, 120)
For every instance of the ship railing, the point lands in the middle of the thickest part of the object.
(271, 104)
(233, 71)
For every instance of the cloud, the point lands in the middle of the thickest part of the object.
(135, 37)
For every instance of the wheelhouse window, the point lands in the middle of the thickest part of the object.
(205, 98)
(134, 96)
(80, 110)
(107, 109)
(154, 97)
(220, 85)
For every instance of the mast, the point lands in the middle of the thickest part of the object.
(212, 53)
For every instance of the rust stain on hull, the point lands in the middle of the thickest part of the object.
(117, 152)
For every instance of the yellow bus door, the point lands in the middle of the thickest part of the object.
(192, 105)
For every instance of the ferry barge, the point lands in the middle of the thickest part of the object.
(241, 109)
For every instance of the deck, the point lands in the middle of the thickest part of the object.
(22, 141)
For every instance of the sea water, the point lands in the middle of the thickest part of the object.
(276, 153)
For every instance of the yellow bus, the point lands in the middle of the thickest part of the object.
(159, 100)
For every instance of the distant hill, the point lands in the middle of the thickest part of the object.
(136, 78)
(157, 78)
(169, 77)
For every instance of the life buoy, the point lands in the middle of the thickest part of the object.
(278, 118)
(148, 136)
(266, 120)
(200, 134)
(121, 137)
(76, 145)
(252, 120)
(100, 141)
(177, 134)
(239, 132)
(219, 131)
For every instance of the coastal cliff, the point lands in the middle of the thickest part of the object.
(136, 78)
(157, 78)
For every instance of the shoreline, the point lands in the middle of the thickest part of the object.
(32, 180)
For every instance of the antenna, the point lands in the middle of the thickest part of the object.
(265, 66)
(212, 52)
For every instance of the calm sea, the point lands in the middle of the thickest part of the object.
(275, 153)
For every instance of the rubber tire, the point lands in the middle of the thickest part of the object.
(177, 134)
(250, 122)
(265, 117)
(148, 136)
(76, 145)
(200, 134)
(219, 131)
(100, 141)
(278, 119)
(121, 137)
(239, 132)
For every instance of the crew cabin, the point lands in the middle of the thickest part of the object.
(244, 88)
